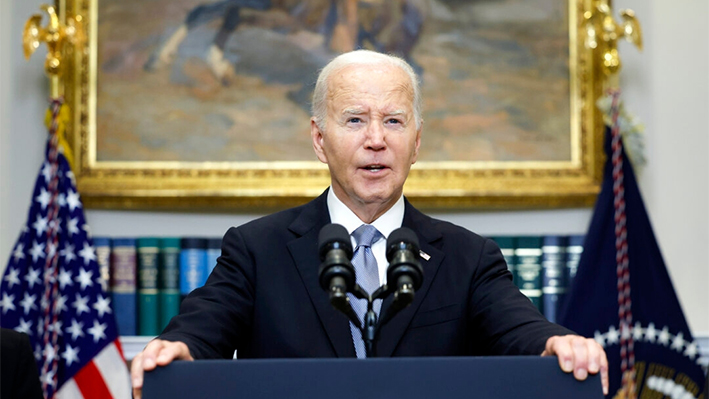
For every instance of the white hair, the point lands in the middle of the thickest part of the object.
(361, 57)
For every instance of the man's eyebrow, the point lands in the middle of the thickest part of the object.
(397, 112)
(360, 111)
(353, 111)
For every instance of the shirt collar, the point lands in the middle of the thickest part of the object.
(386, 223)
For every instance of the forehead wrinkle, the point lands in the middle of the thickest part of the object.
(400, 88)
(341, 89)
(389, 104)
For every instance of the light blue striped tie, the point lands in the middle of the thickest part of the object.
(367, 273)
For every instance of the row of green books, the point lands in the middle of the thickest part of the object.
(543, 267)
(149, 276)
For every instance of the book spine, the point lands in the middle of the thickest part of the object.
(529, 268)
(193, 264)
(553, 274)
(103, 258)
(148, 320)
(507, 246)
(169, 280)
(214, 251)
(123, 284)
(574, 250)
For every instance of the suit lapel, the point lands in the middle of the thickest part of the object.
(393, 331)
(304, 251)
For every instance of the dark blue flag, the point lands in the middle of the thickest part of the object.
(623, 297)
(52, 290)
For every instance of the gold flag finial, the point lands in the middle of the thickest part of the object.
(603, 33)
(57, 35)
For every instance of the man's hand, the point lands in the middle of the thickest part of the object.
(156, 353)
(580, 355)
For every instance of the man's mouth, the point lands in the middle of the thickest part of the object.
(374, 168)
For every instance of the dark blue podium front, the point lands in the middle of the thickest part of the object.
(527, 377)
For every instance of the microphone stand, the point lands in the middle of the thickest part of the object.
(372, 324)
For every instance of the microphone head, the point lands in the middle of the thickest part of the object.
(334, 236)
(402, 239)
(335, 254)
(403, 257)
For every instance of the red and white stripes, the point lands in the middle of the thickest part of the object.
(104, 377)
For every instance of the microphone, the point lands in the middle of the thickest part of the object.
(336, 273)
(405, 273)
(335, 248)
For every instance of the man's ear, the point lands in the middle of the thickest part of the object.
(417, 145)
(317, 136)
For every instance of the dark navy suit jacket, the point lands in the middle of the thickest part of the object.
(18, 368)
(263, 297)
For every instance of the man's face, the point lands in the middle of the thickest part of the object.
(370, 139)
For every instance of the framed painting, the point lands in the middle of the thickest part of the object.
(204, 104)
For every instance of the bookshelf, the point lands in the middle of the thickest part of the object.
(133, 344)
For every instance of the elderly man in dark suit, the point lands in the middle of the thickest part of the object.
(263, 297)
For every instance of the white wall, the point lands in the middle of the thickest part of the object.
(667, 86)
(5, 104)
(22, 135)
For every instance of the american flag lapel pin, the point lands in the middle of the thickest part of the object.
(424, 255)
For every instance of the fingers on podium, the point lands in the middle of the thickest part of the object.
(156, 353)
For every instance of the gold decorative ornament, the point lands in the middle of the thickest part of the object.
(57, 35)
(603, 33)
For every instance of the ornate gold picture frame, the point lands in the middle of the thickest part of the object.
(565, 179)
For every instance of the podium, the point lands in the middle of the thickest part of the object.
(529, 377)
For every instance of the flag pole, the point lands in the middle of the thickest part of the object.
(602, 35)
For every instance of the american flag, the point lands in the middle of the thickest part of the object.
(53, 291)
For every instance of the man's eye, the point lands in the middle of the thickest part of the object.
(354, 120)
(393, 121)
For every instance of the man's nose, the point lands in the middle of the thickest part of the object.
(375, 139)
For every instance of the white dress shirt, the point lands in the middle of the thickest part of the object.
(386, 223)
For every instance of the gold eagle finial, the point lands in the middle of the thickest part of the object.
(603, 33)
(56, 35)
